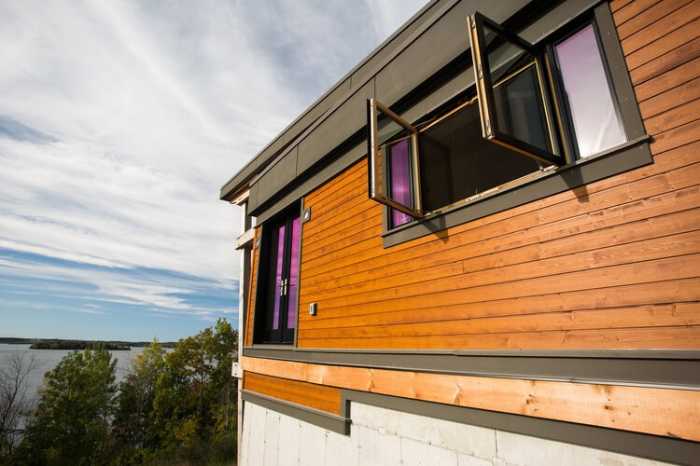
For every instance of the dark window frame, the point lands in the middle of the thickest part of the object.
(265, 286)
(487, 105)
(576, 172)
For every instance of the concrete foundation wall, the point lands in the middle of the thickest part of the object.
(390, 438)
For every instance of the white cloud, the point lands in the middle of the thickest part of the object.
(152, 107)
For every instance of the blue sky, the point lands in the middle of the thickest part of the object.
(119, 121)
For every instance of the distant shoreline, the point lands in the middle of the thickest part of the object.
(61, 344)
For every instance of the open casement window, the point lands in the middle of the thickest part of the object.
(393, 159)
(514, 102)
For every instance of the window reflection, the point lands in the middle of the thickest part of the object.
(596, 124)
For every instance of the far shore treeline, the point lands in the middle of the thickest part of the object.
(60, 344)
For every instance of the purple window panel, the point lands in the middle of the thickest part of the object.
(278, 277)
(400, 191)
(294, 273)
(595, 119)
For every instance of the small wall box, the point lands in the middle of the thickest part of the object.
(313, 308)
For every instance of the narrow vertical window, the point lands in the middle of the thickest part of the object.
(400, 180)
(294, 274)
(596, 123)
(279, 275)
(278, 286)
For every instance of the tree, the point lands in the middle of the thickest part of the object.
(133, 427)
(70, 426)
(193, 408)
(15, 402)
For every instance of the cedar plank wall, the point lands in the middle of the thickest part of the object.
(312, 395)
(613, 264)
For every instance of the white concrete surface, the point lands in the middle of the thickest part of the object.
(383, 437)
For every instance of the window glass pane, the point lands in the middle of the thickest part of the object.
(518, 99)
(596, 122)
(457, 162)
(278, 277)
(400, 175)
(519, 108)
(294, 273)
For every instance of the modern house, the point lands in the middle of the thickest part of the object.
(482, 247)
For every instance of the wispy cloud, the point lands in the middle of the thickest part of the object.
(120, 120)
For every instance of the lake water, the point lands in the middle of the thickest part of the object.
(48, 359)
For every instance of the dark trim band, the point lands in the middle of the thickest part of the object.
(648, 368)
(619, 441)
(328, 421)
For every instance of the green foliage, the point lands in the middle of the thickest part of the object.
(71, 425)
(133, 429)
(173, 408)
(194, 393)
(194, 407)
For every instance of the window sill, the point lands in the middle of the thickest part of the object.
(619, 159)
(271, 346)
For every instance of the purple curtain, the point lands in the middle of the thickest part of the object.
(278, 276)
(400, 190)
(294, 273)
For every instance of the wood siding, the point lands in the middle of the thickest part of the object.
(613, 264)
(650, 410)
(320, 397)
(253, 290)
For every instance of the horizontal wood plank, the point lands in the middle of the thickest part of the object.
(321, 397)
(673, 118)
(616, 5)
(662, 315)
(632, 9)
(666, 62)
(659, 45)
(649, 16)
(668, 81)
(656, 411)
(674, 338)
(661, 33)
(673, 98)
(664, 292)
